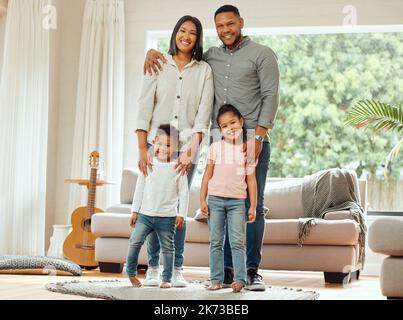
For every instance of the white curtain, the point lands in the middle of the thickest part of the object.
(24, 129)
(99, 123)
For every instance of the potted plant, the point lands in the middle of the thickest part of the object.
(380, 116)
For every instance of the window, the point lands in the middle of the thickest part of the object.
(323, 72)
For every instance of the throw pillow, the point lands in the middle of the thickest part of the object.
(200, 217)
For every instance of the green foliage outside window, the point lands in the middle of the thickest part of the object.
(322, 76)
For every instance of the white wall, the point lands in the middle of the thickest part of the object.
(143, 15)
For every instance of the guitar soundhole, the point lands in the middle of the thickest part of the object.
(86, 224)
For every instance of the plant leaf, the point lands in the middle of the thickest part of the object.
(376, 113)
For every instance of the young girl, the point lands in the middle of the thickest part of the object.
(228, 177)
(182, 94)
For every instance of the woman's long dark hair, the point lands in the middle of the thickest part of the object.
(197, 52)
(230, 108)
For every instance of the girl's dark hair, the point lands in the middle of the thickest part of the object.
(230, 108)
(198, 49)
(169, 130)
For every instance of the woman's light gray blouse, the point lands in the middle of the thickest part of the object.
(182, 98)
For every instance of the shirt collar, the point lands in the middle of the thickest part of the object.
(171, 61)
(245, 41)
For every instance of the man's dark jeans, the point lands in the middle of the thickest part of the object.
(254, 231)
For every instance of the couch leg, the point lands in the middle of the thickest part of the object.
(337, 277)
(355, 275)
(108, 267)
(142, 266)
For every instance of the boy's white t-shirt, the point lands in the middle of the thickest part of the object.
(160, 193)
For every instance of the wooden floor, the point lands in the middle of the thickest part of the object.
(24, 287)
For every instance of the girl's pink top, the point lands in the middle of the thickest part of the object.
(231, 165)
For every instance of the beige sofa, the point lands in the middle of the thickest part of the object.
(386, 237)
(331, 247)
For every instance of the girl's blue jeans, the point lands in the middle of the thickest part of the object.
(230, 214)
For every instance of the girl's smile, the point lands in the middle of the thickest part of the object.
(231, 126)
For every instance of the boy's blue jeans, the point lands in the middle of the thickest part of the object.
(164, 228)
(254, 231)
(227, 213)
(153, 245)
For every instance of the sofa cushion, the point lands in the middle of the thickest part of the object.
(341, 232)
(196, 231)
(326, 232)
(386, 236)
(128, 184)
(282, 195)
(120, 208)
(279, 231)
(392, 277)
(283, 198)
(338, 215)
(309, 258)
(109, 224)
(114, 250)
(194, 201)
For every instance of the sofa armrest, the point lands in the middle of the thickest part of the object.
(129, 179)
(385, 236)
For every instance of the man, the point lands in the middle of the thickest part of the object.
(246, 74)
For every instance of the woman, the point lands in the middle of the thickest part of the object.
(182, 94)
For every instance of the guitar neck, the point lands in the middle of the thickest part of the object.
(92, 192)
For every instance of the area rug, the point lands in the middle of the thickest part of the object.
(122, 290)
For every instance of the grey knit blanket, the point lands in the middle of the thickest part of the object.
(332, 190)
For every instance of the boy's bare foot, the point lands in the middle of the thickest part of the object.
(165, 285)
(135, 282)
(214, 287)
(237, 286)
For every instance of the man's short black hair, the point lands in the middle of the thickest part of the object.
(169, 130)
(227, 8)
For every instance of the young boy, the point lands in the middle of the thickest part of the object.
(155, 205)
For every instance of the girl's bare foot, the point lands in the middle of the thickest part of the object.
(237, 286)
(214, 287)
(135, 282)
(165, 285)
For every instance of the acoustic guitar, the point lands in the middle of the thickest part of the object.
(79, 245)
